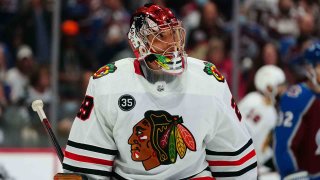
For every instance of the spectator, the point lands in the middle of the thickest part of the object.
(74, 59)
(210, 26)
(307, 25)
(218, 55)
(18, 77)
(313, 8)
(8, 8)
(34, 26)
(75, 9)
(269, 55)
(3, 63)
(16, 116)
(39, 87)
(284, 22)
(190, 16)
(3, 74)
(3, 97)
(114, 36)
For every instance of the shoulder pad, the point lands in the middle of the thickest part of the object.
(211, 69)
(104, 70)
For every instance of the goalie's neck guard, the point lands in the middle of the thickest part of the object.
(154, 76)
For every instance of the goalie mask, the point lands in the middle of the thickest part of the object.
(157, 37)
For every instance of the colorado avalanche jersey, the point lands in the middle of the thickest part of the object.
(128, 128)
(297, 141)
(260, 118)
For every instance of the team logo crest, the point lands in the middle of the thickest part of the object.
(163, 61)
(294, 91)
(109, 68)
(211, 69)
(159, 138)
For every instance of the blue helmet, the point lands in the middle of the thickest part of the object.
(312, 54)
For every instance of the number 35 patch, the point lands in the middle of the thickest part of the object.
(126, 102)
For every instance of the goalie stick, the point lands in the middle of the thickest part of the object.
(37, 106)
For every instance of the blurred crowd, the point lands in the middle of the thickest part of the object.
(93, 33)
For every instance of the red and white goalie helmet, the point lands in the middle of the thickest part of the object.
(148, 24)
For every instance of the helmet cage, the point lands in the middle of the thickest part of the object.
(144, 32)
(178, 37)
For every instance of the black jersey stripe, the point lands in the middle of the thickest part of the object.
(86, 170)
(92, 148)
(118, 177)
(235, 173)
(206, 169)
(235, 153)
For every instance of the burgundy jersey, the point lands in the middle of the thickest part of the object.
(297, 133)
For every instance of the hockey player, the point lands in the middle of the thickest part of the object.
(296, 143)
(155, 117)
(259, 111)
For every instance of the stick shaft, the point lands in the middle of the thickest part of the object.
(53, 138)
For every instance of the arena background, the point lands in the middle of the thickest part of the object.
(49, 49)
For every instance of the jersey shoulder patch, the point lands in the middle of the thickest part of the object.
(296, 98)
(105, 70)
(212, 70)
(294, 91)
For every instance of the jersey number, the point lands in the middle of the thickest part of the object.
(236, 109)
(285, 119)
(253, 116)
(86, 108)
(126, 102)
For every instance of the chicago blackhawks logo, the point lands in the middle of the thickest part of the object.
(109, 68)
(211, 69)
(159, 138)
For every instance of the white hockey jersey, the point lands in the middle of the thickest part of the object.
(128, 128)
(261, 119)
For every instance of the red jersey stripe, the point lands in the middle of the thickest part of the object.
(87, 159)
(233, 163)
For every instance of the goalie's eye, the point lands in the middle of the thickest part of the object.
(161, 35)
(139, 130)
